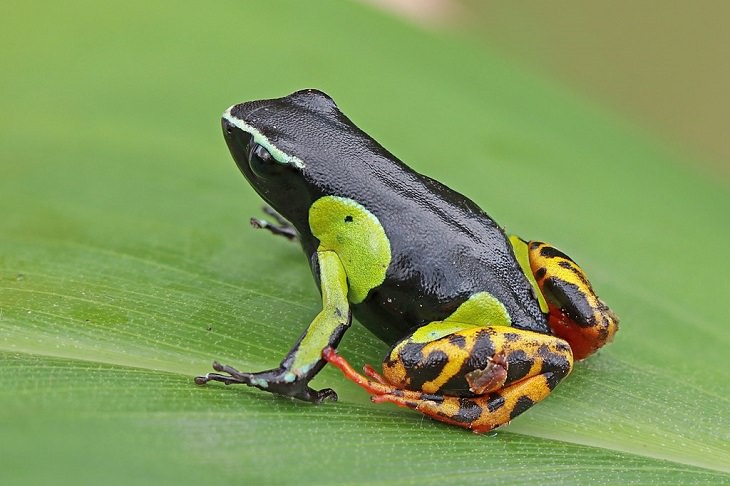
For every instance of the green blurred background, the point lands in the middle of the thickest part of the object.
(127, 263)
(662, 65)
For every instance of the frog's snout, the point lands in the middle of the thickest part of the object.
(233, 134)
(238, 141)
(228, 127)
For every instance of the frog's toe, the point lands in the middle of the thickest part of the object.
(233, 376)
(320, 396)
(376, 386)
(373, 375)
(277, 381)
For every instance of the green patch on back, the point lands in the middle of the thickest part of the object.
(481, 309)
(355, 234)
(436, 330)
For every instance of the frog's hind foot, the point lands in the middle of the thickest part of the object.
(373, 375)
(501, 373)
(451, 410)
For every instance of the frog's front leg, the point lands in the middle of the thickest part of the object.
(304, 361)
(282, 227)
(474, 377)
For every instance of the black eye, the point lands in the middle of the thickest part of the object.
(262, 154)
(262, 162)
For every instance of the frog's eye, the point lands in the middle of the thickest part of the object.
(262, 162)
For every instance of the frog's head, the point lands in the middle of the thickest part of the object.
(296, 149)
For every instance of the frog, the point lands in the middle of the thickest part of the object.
(482, 325)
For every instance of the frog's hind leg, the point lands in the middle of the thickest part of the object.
(479, 414)
(475, 377)
(576, 313)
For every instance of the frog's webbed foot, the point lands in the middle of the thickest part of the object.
(276, 381)
(281, 227)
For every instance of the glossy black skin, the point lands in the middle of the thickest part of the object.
(444, 247)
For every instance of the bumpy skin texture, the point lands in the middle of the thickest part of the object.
(444, 247)
(481, 377)
(501, 373)
(577, 314)
(420, 265)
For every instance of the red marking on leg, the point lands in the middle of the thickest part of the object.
(584, 341)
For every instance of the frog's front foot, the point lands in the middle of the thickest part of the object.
(281, 227)
(278, 381)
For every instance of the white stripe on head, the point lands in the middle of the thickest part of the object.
(261, 139)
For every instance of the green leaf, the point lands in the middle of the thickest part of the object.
(127, 264)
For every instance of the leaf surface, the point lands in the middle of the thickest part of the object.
(127, 263)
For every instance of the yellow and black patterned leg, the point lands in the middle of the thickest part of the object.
(576, 313)
(477, 377)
